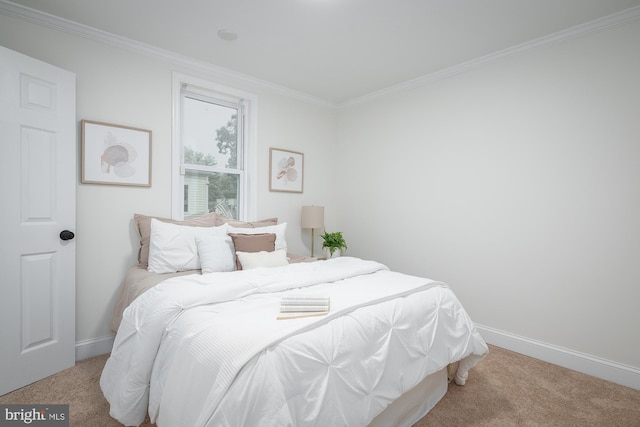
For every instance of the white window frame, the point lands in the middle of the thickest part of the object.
(248, 190)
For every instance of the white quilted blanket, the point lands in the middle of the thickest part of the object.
(208, 350)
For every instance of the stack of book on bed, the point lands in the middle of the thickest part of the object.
(300, 305)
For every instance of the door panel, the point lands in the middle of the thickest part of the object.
(39, 323)
(37, 181)
(37, 187)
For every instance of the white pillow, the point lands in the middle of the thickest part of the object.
(279, 230)
(173, 247)
(215, 253)
(250, 260)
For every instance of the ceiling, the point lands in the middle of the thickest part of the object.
(333, 50)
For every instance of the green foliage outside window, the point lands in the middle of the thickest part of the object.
(222, 187)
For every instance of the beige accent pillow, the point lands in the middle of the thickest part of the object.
(252, 243)
(280, 230)
(143, 225)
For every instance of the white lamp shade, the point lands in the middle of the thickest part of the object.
(312, 217)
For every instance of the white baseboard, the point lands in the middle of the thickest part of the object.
(618, 373)
(94, 347)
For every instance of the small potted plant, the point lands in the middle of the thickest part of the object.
(333, 243)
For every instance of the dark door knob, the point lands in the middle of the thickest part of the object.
(67, 235)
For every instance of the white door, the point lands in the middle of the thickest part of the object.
(37, 203)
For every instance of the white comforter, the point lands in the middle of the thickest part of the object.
(208, 350)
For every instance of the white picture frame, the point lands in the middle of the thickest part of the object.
(286, 170)
(115, 155)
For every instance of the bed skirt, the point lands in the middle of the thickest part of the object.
(414, 404)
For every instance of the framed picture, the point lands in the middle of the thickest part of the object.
(286, 170)
(115, 155)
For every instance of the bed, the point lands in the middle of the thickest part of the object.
(209, 350)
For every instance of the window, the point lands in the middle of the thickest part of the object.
(213, 150)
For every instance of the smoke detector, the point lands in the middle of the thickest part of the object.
(227, 35)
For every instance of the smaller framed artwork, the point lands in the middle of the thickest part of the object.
(115, 155)
(286, 170)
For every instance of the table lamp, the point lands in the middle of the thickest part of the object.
(312, 217)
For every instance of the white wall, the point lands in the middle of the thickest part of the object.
(116, 85)
(518, 184)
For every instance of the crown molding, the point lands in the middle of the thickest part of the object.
(64, 25)
(600, 24)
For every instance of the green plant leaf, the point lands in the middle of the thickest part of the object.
(333, 241)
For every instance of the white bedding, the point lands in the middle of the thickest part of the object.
(208, 350)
